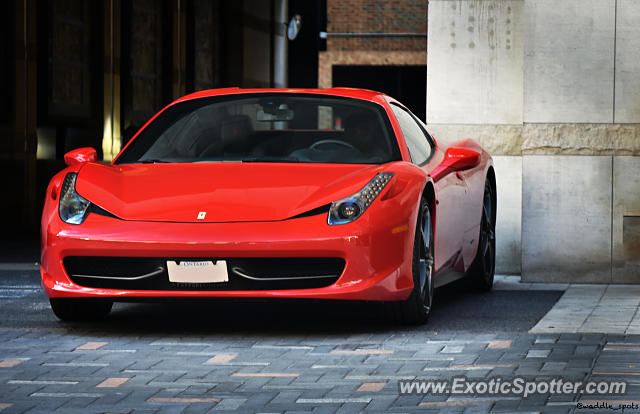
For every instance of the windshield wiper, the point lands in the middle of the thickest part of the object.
(153, 161)
(270, 159)
(250, 159)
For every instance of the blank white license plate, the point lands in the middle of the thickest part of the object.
(197, 272)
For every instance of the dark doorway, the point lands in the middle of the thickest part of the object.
(408, 84)
(146, 61)
(7, 69)
(303, 50)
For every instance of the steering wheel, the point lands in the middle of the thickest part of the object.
(331, 141)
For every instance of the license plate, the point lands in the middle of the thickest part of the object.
(197, 272)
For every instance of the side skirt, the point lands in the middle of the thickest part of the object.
(446, 276)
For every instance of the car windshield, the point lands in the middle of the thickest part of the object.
(267, 127)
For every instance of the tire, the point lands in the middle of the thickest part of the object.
(417, 308)
(80, 309)
(483, 268)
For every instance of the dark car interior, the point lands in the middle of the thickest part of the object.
(259, 130)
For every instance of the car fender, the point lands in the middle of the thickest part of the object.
(410, 184)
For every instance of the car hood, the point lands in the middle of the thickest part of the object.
(218, 192)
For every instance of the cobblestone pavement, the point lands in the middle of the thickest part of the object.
(594, 308)
(295, 357)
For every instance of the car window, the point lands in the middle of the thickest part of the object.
(420, 146)
(267, 127)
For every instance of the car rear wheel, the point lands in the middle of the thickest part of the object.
(80, 309)
(417, 308)
(484, 265)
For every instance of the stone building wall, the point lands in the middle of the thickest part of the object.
(552, 90)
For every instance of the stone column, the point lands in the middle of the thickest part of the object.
(474, 89)
(551, 89)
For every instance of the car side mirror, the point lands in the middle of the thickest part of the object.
(456, 159)
(460, 158)
(80, 155)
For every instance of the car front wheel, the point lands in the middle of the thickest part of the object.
(417, 308)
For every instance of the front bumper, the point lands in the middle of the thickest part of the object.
(376, 251)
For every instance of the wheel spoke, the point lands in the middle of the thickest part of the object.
(426, 260)
(425, 230)
(488, 262)
(429, 293)
(488, 233)
(485, 244)
(423, 275)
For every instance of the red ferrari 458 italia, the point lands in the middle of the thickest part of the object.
(271, 193)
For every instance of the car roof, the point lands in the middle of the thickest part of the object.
(357, 93)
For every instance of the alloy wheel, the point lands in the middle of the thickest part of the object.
(488, 237)
(426, 259)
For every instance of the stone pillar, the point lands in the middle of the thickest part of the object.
(474, 89)
(551, 90)
(578, 120)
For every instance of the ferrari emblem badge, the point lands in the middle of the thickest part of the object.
(202, 215)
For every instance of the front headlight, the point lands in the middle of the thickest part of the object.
(73, 207)
(350, 208)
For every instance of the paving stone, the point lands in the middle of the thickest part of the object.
(230, 404)
(579, 363)
(381, 403)
(489, 357)
(546, 339)
(570, 337)
(324, 410)
(557, 409)
(171, 409)
(173, 366)
(50, 405)
(532, 401)
(506, 406)
(502, 372)
(452, 349)
(538, 353)
(508, 357)
(586, 349)
(477, 409)
(286, 397)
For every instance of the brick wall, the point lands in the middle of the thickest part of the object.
(373, 16)
(377, 16)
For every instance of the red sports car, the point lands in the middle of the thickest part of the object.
(271, 193)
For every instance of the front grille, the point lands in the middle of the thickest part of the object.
(150, 273)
